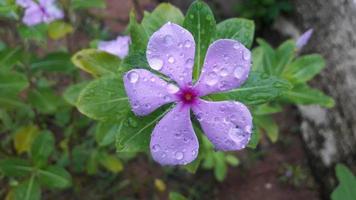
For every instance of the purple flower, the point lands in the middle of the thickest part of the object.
(227, 124)
(45, 11)
(303, 39)
(118, 47)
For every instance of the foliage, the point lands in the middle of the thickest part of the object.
(347, 184)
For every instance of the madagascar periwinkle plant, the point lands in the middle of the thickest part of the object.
(144, 84)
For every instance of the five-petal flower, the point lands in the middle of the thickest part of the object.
(227, 124)
(43, 11)
(118, 47)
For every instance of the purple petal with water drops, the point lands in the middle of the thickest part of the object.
(33, 15)
(227, 124)
(118, 47)
(173, 141)
(171, 51)
(226, 66)
(146, 91)
(303, 39)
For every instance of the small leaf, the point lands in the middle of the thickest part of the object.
(54, 62)
(12, 83)
(163, 13)
(269, 126)
(96, 62)
(85, 4)
(54, 177)
(238, 29)
(176, 196)
(220, 169)
(9, 57)
(45, 100)
(15, 167)
(59, 29)
(24, 138)
(284, 55)
(266, 109)
(258, 89)
(232, 160)
(28, 190)
(42, 148)
(304, 68)
(36, 33)
(111, 163)
(105, 132)
(304, 95)
(200, 21)
(71, 93)
(139, 36)
(269, 58)
(104, 99)
(347, 184)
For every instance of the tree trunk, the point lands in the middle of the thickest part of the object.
(330, 134)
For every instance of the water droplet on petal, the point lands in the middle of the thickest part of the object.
(166, 98)
(172, 88)
(215, 68)
(156, 148)
(200, 116)
(236, 134)
(189, 62)
(178, 134)
(194, 152)
(187, 44)
(236, 46)
(168, 40)
(246, 55)
(164, 155)
(152, 79)
(156, 63)
(238, 72)
(224, 72)
(133, 76)
(179, 155)
(171, 59)
(211, 79)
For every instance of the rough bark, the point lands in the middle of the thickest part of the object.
(330, 134)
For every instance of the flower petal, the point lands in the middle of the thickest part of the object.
(147, 92)
(173, 141)
(227, 65)
(226, 124)
(25, 3)
(33, 15)
(171, 50)
(118, 47)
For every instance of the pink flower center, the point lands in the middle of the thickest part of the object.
(187, 95)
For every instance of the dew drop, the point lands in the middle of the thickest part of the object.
(238, 72)
(194, 152)
(189, 62)
(200, 116)
(166, 98)
(168, 40)
(187, 44)
(156, 148)
(156, 63)
(224, 72)
(178, 134)
(133, 76)
(172, 89)
(236, 134)
(171, 59)
(246, 55)
(215, 68)
(236, 46)
(164, 155)
(152, 79)
(212, 79)
(179, 155)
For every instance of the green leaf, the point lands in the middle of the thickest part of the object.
(200, 21)
(163, 13)
(284, 55)
(45, 100)
(104, 99)
(12, 83)
(220, 169)
(304, 95)
(137, 58)
(255, 138)
(176, 196)
(257, 57)
(54, 62)
(96, 62)
(266, 109)
(9, 57)
(138, 34)
(259, 88)
(238, 29)
(54, 177)
(42, 148)
(36, 33)
(269, 126)
(105, 132)
(135, 134)
(59, 29)
(24, 137)
(346, 190)
(268, 58)
(72, 92)
(111, 163)
(85, 4)
(28, 190)
(304, 68)
(15, 167)
(232, 160)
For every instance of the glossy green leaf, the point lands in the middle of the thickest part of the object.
(105, 132)
(12, 82)
(269, 126)
(104, 99)
(54, 62)
(59, 29)
(85, 4)
(304, 95)
(135, 134)
(259, 89)
(96, 62)
(71, 93)
(15, 167)
(54, 177)
(304, 68)
(284, 55)
(163, 13)
(346, 190)
(238, 29)
(42, 148)
(139, 36)
(28, 190)
(200, 21)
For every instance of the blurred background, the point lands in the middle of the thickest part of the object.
(312, 139)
